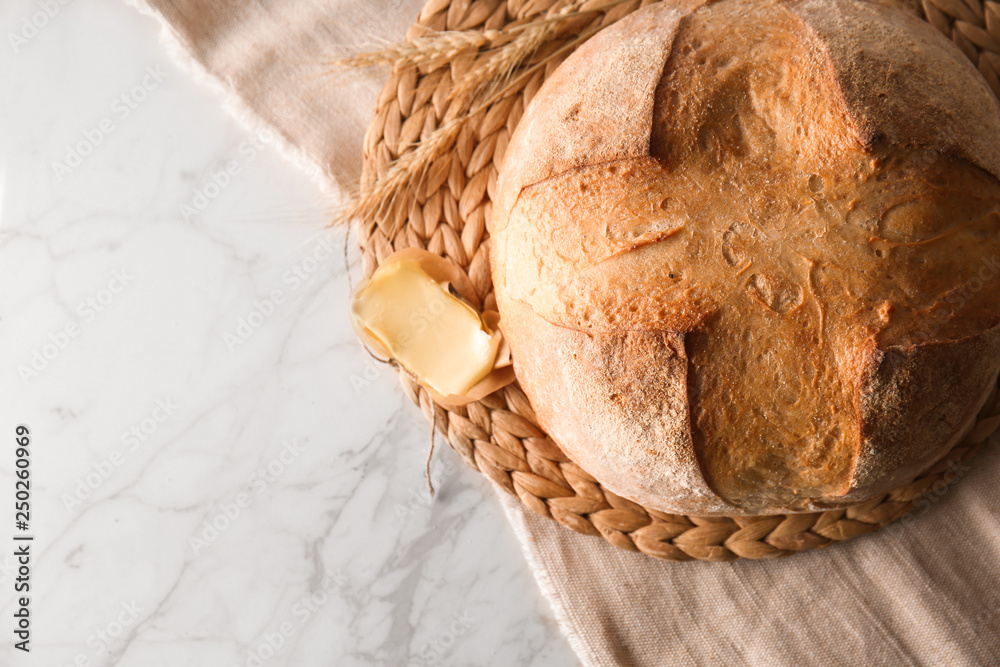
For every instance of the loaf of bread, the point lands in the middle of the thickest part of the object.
(747, 253)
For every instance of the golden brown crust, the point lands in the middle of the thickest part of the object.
(564, 131)
(806, 263)
(916, 399)
(627, 388)
(905, 82)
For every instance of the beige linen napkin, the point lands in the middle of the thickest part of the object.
(921, 592)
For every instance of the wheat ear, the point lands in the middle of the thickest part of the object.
(381, 197)
(439, 46)
(413, 164)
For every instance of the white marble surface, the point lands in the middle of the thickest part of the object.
(155, 413)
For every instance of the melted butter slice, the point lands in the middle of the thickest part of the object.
(436, 336)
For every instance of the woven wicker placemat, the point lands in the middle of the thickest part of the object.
(431, 163)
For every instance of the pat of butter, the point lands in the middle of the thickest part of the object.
(436, 336)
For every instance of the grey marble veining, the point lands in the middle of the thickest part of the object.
(221, 475)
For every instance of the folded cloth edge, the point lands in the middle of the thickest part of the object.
(515, 513)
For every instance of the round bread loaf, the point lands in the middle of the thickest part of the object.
(746, 253)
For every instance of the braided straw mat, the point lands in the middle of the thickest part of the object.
(444, 208)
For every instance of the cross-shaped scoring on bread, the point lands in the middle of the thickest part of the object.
(739, 253)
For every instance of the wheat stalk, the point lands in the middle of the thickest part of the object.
(448, 44)
(495, 79)
(440, 46)
(496, 70)
(382, 196)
